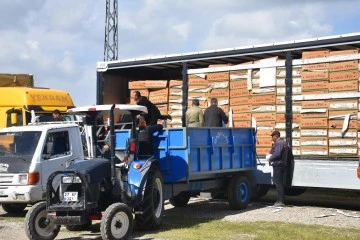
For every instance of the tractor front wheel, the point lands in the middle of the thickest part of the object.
(37, 226)
(117, 222)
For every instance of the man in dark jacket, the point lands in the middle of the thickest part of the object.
(277, 159)
(214, 116)
(153, 112)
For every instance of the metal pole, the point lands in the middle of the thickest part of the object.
(99, 88)
(185, 93)
(288, 98)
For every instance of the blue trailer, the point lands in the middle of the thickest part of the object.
(132, 181)
(200, 159)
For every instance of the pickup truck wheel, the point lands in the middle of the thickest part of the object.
(83, 227)
(180, 200)
(117, 222)
(14, 208)
(152, 206)
(37, 227)
(239, 192)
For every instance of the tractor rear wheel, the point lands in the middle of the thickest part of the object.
(37, 227)
(152, 206)
(117, 222)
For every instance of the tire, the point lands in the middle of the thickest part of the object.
(239, 192)
(117, 222)
(180, 200)
(152, 206)
(261, 190)
(36, 227)
(14, 208)
(293, 192)
(83, 227)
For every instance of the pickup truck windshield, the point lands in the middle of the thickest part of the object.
(17, 150)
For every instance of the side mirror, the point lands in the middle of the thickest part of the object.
(13, 117)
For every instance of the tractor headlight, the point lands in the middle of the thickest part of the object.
(77, 179)
(70, 179)
(67, 179)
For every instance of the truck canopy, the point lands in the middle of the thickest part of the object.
(38, 99)
(122, 109)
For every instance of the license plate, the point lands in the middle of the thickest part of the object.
(70, 196)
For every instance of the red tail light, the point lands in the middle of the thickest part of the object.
(131, 145)
(33, 178)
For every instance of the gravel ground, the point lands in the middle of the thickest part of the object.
(337, 215)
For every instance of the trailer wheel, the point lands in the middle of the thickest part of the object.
(37, 227)
(239, 192)
(83, 227)
(180, 200)
(152, 206)
(14, 208)
(117, 222)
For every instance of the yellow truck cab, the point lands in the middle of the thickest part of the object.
(16, 104)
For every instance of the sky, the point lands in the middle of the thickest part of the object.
(60, 41)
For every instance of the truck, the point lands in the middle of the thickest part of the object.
(308, 89)
(29, 155)
(141, 173)
(16, 104)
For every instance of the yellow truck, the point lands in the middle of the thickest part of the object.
(16, 104)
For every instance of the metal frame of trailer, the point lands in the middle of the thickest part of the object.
(329, 172)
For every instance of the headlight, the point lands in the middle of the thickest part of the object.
(70, 179)
(23, 179)
(67, 179)
(77, 180)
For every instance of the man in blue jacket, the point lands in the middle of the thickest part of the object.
(278, 158)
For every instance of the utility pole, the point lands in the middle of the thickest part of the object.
(111, 31)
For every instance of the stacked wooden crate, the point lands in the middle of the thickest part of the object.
(314, 115)
(175, 103)
(137, 86)
(263, 108)
(240, 98)
(198, 89)
(218, 85)
(343, 113)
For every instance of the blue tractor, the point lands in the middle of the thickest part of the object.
(134, 175)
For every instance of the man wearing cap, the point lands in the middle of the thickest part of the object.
(277, 159)
(194, 115)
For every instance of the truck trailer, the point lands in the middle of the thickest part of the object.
(307, 89)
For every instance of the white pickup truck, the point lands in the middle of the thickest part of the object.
(28, 155)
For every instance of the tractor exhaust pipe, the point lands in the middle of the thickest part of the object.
(112, 145)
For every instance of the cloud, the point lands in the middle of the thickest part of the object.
(60, 41)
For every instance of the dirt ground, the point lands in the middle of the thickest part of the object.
(341, 211)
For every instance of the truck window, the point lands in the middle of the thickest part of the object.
(17, 150)
(57, 144)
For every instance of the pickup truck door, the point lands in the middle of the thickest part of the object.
(57, 151)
